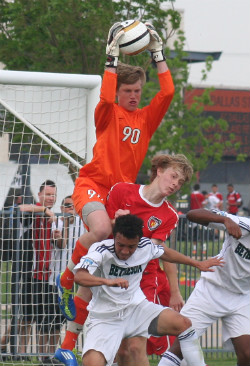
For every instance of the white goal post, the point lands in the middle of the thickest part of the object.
(47, 132)
(53, 109)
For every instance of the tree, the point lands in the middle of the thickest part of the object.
(70, 36)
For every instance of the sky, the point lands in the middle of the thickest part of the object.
(219, 25)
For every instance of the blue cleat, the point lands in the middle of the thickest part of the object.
(67, 357)
(65, 301)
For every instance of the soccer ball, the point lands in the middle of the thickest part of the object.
(135, 39)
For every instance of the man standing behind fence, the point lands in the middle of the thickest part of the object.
(66, 231)
(225, 293)
(41, 237)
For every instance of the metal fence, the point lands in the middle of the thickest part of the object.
(22, 339)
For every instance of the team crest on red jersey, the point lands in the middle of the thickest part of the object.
(153, 223)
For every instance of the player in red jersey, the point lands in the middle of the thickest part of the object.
(234, 200)
(160, 218)
(168, 174)
(123, 133)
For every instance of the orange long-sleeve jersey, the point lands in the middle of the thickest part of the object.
(123, 136)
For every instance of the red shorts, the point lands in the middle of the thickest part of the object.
(155, 286)
(86, 190)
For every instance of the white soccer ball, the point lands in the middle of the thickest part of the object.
(135, 39)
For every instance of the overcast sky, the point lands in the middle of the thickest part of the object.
(219, 25)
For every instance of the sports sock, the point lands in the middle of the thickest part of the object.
(78, 252)
(169, 359)
(70, 340)
(190, 347)
(67, 278)
(76, 326)
(81, 310)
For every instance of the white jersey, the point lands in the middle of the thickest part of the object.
(235, 275)
(212, 202)
(60, 257)
(102, 261)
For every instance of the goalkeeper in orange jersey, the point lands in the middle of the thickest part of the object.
(123, 133)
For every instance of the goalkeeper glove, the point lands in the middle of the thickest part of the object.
(112, 49)
(155, 45)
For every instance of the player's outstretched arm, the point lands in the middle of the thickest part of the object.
(204, 217)
(171, 255)
(84, 278)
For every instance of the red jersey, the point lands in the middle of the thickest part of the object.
(42, 247)
(196, 200)
(159, 219)
(232, 199)
(123, 136)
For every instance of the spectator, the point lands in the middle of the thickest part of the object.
(66, 231)
(196, 201)
(234, 200)
(36, 298)
(216, 193)
(196, 197)
(210, 201)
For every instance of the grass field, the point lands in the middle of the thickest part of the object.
(154, 362)
(213, 362)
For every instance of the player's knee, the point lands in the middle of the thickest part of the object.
(123, 355)
(135, 350)
(132, 351)
(185, 323)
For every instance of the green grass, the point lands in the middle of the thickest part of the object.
(213, 362)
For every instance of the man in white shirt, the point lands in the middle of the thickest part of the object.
(225, 293)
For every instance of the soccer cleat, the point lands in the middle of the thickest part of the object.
(67, 357)
(65, 300)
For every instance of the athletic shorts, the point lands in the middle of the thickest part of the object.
(105, 335)
(209, 302)
(86, 191)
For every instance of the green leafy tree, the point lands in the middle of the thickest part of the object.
(70, 36)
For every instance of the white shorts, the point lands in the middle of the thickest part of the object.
(209, 302)
(105, 335)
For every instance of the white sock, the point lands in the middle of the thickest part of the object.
(190, 348)
(169, 359)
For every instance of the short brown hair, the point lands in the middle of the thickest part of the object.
(128, 74)
(165, 161)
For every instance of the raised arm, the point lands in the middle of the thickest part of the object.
(204, 217)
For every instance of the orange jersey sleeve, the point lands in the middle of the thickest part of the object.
(123, 136)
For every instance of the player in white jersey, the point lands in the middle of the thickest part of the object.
(224, 293)
(113, 270)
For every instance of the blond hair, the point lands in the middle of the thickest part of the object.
(178, 161)
(128, 74)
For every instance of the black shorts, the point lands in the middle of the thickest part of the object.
(45, 306)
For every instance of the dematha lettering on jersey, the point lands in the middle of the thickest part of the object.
(119, 271)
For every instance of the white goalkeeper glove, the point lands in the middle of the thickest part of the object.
(112, 49)
(155, 45)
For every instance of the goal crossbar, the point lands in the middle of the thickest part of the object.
(79, 92)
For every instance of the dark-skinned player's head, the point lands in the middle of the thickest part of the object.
(130, 226)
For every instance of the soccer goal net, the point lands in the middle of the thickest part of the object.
(46, 134)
